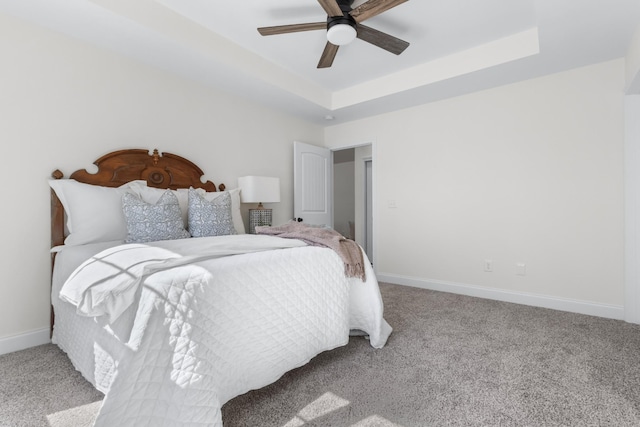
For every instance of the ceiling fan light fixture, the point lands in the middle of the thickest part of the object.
(341, 34)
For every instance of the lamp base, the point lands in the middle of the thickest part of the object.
(258, 218)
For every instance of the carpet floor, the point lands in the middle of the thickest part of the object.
(452, 360)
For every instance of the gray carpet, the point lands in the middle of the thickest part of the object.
(452, 360)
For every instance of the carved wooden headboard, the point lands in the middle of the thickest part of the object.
(164, 170)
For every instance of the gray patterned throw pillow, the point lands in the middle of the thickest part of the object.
(149, 223)
(210, 218)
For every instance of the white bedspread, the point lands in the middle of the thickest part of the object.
(209, 327)
(106, 284)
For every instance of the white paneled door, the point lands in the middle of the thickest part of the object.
(312, 184)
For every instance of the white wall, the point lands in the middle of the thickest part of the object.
(530, 172)
(64, 104)
(632, 181)
(632, 208)
(632, 68)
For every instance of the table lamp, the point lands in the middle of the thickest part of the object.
(259, 189)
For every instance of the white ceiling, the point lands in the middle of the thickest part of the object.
(457, 46)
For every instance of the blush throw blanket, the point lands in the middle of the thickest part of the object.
(347, 249)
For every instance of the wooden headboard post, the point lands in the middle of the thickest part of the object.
(57, 214)
(117, 168)
(57, 232)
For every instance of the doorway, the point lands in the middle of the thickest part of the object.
(353, 195)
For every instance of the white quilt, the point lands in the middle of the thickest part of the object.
(209, 327)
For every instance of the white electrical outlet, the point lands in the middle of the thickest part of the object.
(521, 269)
(488, 265)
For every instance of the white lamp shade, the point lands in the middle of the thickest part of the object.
(259, 189)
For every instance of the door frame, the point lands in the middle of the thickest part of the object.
(367, 212)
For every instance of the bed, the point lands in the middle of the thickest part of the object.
(171, 328)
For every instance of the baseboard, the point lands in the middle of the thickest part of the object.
(544, 301)
(26, 340)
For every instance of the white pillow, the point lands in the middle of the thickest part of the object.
(151, 195)
(236, 215)
(94, 213)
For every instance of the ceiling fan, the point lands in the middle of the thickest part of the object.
(343, 25)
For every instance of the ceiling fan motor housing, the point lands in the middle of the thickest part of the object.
(345, 19)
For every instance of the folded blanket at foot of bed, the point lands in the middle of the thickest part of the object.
(348, 250)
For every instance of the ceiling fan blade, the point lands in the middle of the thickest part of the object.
(294, 28)
(329, 54)
(331, 7)
(382, 40)
(372, 8)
